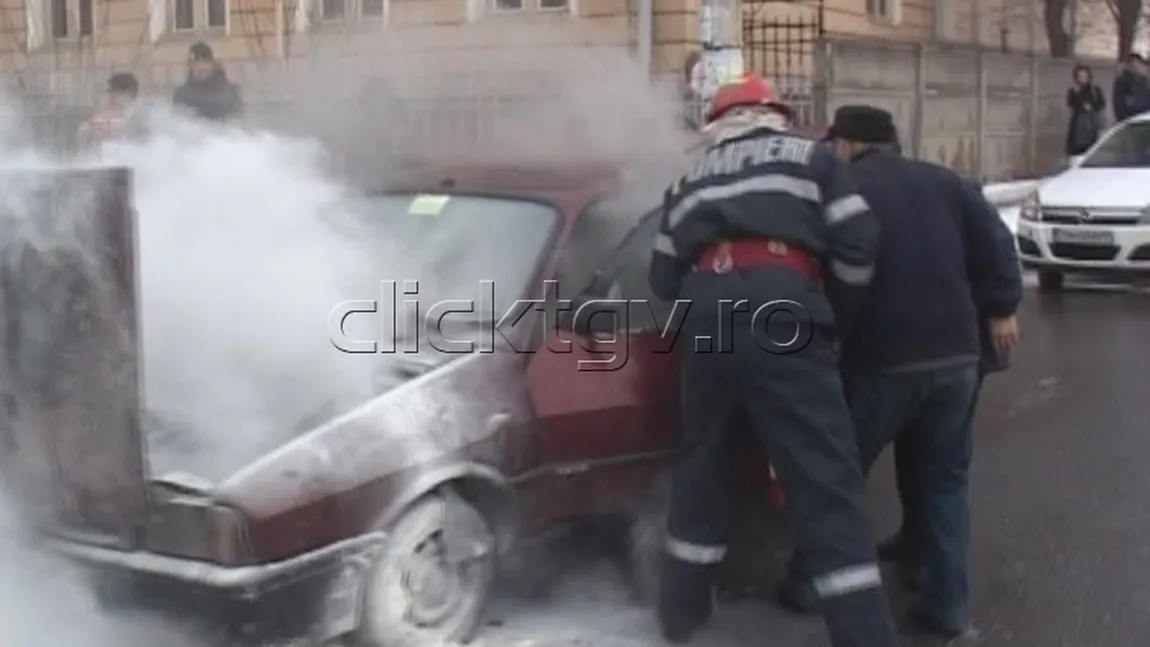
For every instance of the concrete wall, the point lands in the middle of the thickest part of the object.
(1015, 25)
(990, 115)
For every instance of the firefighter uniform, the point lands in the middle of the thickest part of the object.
(769, 241)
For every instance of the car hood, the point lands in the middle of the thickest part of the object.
(1110, 187)
(179, 452)
(424, 419)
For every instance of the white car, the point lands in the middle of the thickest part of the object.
(1093, 217)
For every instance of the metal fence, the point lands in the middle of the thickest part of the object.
(780, 39)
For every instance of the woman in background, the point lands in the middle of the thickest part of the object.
(1086, 103)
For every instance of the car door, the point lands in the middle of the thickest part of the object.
(605, 389)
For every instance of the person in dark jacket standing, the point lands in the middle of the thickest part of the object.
(911, 365)
(748, 236)
(1086, 103)
(1131, 95)
(208, 94)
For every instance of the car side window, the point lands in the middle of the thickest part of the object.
(597, 231)
(623, 276)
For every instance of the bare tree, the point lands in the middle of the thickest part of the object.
(1054, 14)
(1127, 14)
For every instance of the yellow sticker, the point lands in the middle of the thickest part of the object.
(427, 205)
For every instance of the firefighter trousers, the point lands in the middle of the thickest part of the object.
(794, 401)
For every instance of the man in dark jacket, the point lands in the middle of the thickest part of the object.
(208, 93)
(904, 546)
(1131, 95)
(911, 365)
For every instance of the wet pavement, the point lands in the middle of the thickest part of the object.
(1061, 504)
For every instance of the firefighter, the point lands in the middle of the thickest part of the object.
(749, 236)
(912, 366)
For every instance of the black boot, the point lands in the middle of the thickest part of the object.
(921, 623)
(686, 599)
(798, 597)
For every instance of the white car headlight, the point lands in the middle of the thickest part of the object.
(1031, 209)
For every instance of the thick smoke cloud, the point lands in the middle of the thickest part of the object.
(245, 248)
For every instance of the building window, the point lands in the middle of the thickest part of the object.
(199, 15)
(541, 5)
(889, 11)
(339, 10)
(71, 18)
(371, 8)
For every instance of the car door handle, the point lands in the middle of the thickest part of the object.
(498, 421)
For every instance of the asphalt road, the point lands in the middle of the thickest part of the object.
(1061, 505)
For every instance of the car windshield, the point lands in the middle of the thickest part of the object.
(481, 253)
(1127, 147)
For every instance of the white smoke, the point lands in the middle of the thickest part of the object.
(242, 256)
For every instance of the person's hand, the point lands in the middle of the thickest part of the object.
(1004, 333)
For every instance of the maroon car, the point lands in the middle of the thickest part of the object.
(385, 521)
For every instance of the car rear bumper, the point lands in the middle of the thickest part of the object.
(316, 593)
(1129, 253)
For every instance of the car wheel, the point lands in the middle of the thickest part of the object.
(430, 585)
(1050, 280)
(646, 537)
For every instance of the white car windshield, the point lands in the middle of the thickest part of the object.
(1127, 147)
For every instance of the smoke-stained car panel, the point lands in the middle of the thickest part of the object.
(384, 519)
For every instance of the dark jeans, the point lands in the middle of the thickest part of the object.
(930, 413)
(909, 495)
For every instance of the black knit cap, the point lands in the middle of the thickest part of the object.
(201, 52)
(863, 124)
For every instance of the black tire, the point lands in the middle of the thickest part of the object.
(1051, 281)
(418, 553)
(646, 537)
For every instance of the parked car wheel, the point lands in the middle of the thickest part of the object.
(647, 533)
(431, 584)
(1051, 280)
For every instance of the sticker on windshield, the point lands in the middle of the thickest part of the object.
(427, 205)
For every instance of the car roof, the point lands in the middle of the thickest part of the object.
(1137, 119)
(510, 178)
(570, 186)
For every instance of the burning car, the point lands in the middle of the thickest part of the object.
(384, 522)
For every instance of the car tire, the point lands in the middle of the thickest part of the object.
(455, 582)
(646, 537)
(1051, 280)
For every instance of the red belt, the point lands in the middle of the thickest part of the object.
(752, 253)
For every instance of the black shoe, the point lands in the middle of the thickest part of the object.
(679, 630)
(896, 548)
(797, 598)
(923, 623)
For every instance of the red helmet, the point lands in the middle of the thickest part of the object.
(751, 90)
